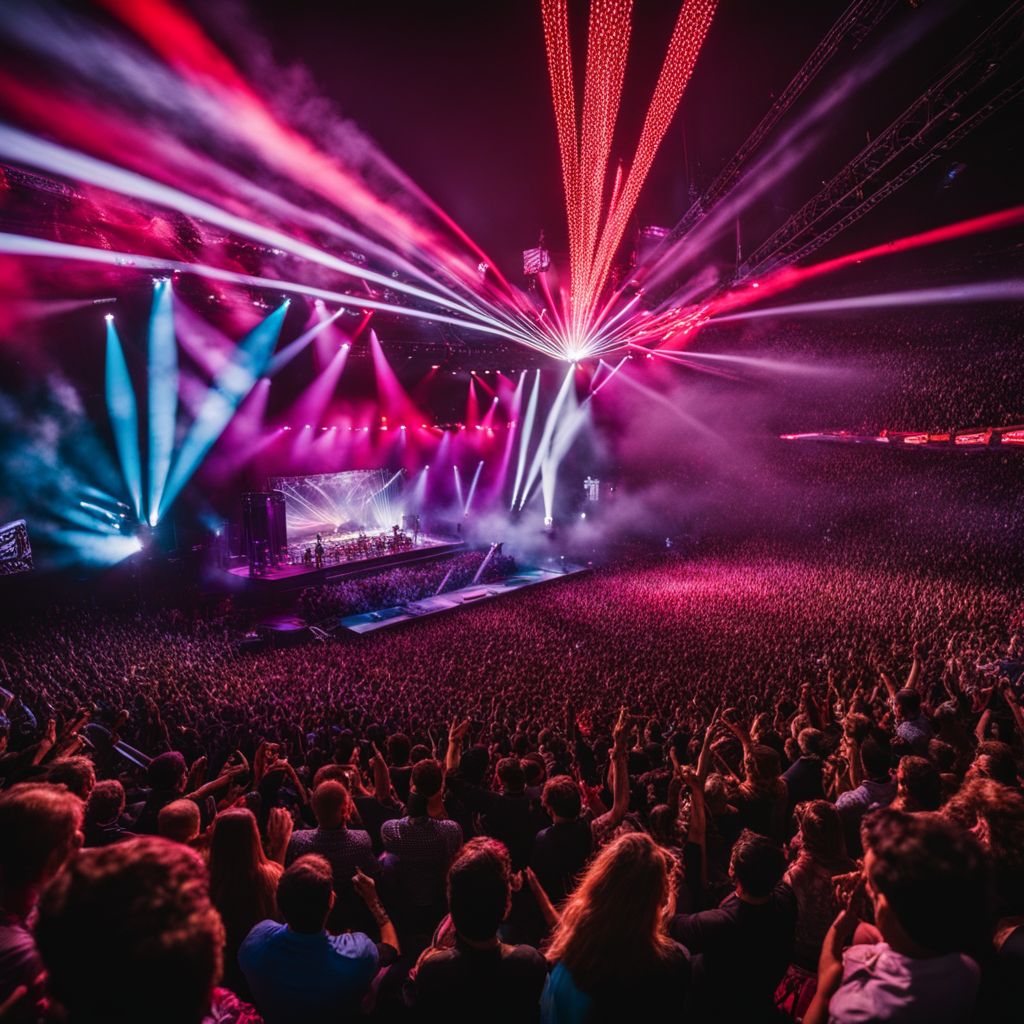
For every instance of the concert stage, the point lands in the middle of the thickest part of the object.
(368, 622)
(295, 577)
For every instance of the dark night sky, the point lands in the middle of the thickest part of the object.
(457, 94)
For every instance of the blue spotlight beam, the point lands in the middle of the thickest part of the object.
(124, 416)
(229, 388)
(162, 394)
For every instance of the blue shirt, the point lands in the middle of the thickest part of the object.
(299, 978)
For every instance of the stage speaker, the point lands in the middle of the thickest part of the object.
(264, 527)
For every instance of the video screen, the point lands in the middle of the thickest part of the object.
(15, 549)
(337, 504)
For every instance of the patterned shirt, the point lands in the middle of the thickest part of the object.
(346, 849)
(422, 850)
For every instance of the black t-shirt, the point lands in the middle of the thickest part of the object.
(661, 992)
(504, 816)
(803, 781)
(472, 985)
(559, 854)
(741, 952)
(373, 814)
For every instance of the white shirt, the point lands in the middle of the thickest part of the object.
(882, 985)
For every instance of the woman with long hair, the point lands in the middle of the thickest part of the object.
(821, 855)
(243, 884)
(610, 949)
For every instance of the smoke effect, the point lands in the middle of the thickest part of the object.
(57, 472)
(697, 458)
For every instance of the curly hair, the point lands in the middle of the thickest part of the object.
(995, 814)
(932, 875)
(128, 932)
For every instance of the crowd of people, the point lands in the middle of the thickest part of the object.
(933, 369)
(403, 585)
(757, 784)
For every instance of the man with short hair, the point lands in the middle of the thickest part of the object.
(39, 833)
(103, 814)
(77, 773)
(128, 933)
(803, 776)
(297, 972)
(167, 775)
(561, 851)
(419, 848)
(346, 850)
(878, 789)
(473, 975)
(926, 882)
(180, 822)
(743, 947)
(913, 729)
(505, 815)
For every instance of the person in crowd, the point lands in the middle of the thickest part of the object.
(39, 833)
(994, 815)
(297, 971)
(742, 948)
(926, 883)
(918, 785)
(561, 851)
(820, 855)
(995, 760)
(243, 883)
(913, 728)
(104, 814)
(803, 777)
(418, 850)
(761, 797)
(157, 955)
(180, 821)
(505, 814)
(346, 849)
(166, 774)
(77, 773)
(469, 972)
(878, 789)
(400, 767)
(611, 952)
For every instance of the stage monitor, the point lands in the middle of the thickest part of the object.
(335, 504)
(15, 549)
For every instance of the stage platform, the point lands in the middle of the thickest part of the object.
(368, 622)
(295, 577)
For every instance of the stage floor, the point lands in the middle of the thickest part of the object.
(289, 576)
(368, 622)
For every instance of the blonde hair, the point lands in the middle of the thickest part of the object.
(613, 926)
